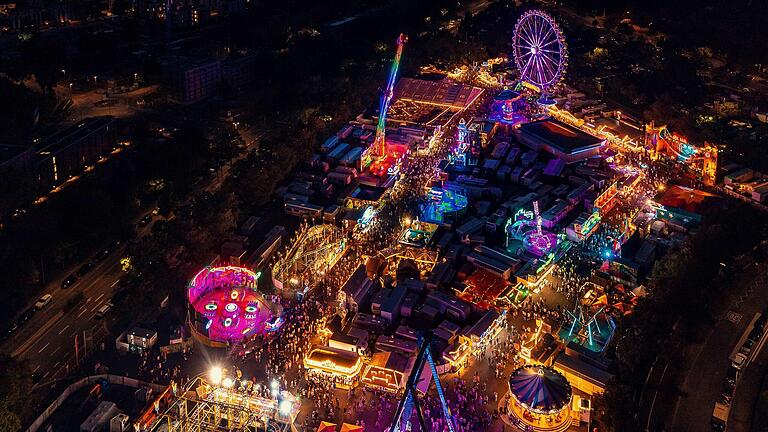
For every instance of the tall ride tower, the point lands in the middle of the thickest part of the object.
(379, 144)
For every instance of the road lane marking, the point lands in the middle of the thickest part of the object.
(43, 348)
(46, 374)
(99, 297)
(62, 330)
(82, 312)
(30, 341)
(56, 350)
(115, 283)
(653, 402)
(38, 367)
(55, 364)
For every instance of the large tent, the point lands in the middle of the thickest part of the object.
(540, 389)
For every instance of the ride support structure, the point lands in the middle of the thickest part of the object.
(410, 400)
(379, 144)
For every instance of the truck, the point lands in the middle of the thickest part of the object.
(719, 420)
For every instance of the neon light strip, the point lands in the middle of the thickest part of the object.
(386, 98)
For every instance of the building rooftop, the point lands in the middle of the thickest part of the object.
(142, 333)
(561, 136)
(367, 193)
(684, 198)
(8, 152)
(66, 137)
(445, 92)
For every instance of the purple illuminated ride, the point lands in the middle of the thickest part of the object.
(525, 225)
(228, 305)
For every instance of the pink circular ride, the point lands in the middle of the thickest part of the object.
(228, 300)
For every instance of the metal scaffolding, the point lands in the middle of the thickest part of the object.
(202, 408)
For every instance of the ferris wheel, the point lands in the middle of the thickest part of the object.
(541, 54)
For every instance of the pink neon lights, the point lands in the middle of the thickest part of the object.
(227, 298)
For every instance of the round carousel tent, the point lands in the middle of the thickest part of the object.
(540, 389)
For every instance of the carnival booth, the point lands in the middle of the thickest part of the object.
(339, 366)
(388, 371)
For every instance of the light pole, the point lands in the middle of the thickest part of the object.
(215, 375)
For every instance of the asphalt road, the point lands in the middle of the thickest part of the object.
(704, 378)
(47, 341)
(747, 391)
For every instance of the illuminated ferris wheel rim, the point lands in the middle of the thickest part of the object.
(540, 51)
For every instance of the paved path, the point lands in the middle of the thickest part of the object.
(703, 384)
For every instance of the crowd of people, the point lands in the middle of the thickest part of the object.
(156, 367)
(471, 400)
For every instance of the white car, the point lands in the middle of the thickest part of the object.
(44, 300)
(739, 361)
(103, 310)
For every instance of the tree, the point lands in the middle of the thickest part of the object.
(15, 404)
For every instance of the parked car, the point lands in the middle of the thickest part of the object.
(103, 310)
(102, 254)
(10, 331)
(66, 283)
(85, 268)
(739, 361)
(145, 220)
(26, 316)
(728, 390)
(761, 322)
(43, 302)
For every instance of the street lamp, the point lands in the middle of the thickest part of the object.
(228, 383)
(285, 407)
(215, 375)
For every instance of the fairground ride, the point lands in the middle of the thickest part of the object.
(410, 400)
(381, 160)
(214, 403)
(309, 257)
(226, 306)
(526, 226)
(699, 159)
(424, 258)
(540, 52)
